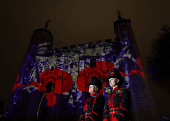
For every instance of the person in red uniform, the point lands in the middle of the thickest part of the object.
(93, 108)
(118, 103)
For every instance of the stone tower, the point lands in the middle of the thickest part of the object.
(143, 103)
(52, 85)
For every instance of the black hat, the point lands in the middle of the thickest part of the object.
(95, 82)
(114, 74)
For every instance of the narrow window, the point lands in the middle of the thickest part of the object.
(114, 59)
(52, 68)
(93, 62)
(71, 65)
(49, 87)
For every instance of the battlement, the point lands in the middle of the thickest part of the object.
(90, 45)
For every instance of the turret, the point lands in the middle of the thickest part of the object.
(124, 34)
(138, 85)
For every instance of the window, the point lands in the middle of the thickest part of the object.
(114, 59)
(93, 62)
(52, 68)
(49, 87)
(71, 65)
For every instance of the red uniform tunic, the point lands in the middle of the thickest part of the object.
(93, 108)
(117, 106)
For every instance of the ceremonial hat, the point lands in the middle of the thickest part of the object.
(114, 74)
(95, 82)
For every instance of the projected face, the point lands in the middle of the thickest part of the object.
(92, 88)
(113, 82)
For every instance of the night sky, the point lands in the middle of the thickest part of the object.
(76, 22)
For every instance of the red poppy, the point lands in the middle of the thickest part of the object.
(100, 71)
(60, 79)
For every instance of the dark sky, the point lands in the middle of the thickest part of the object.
(76, 22)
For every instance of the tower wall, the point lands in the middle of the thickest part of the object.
(141, 95)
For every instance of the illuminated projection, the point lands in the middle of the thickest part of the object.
(53, 84)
